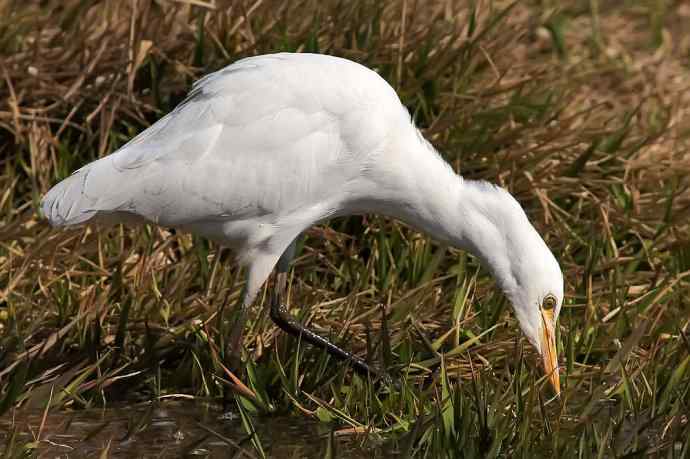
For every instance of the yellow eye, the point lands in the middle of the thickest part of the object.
(549, 303)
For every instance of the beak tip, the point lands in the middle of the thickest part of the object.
(550, 354)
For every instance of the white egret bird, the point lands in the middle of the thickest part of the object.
(270, 145)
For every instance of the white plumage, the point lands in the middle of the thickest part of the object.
(270, 145)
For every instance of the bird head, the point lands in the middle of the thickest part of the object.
(523, 265)
(537, 296)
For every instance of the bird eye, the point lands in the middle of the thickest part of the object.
(549, 303)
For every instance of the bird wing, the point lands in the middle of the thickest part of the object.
(265, 135)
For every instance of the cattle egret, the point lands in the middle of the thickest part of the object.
(267, 147)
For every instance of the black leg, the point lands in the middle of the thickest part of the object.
(287, 323)
(257, 273)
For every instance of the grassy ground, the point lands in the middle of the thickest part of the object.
(580, 108)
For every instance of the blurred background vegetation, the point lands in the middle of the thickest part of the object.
(580, 108)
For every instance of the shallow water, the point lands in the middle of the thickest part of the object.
(174, 429)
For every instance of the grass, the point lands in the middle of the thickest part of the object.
(581, 109)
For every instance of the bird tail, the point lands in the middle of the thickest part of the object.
(67, 204)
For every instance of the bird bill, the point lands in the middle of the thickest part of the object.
(548, 346)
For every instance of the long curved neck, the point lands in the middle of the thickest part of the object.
(419, 188)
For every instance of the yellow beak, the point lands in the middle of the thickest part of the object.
(548, 349)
